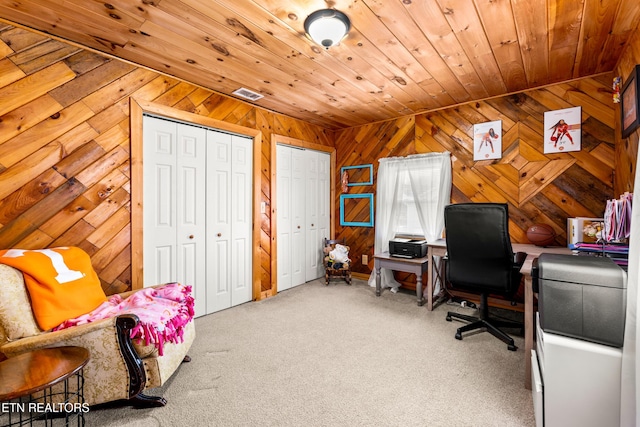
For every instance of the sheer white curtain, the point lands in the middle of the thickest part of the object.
(429, 176)
(630, 399)
(388, 195)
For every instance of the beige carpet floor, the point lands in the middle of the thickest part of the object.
(338, 356)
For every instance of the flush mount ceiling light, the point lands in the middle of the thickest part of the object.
(327, 27)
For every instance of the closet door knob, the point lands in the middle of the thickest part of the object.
(298, 227)
(191, 236)
(312, 225)
(219, 234)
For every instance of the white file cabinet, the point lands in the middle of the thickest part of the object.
(575, 382)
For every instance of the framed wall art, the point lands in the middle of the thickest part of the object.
(562, 130)
(356, 210)
(630, 117)
(487, 140)
(358, 175)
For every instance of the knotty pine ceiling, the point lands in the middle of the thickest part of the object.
(401, 57)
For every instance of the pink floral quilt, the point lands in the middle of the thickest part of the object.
(163, 311)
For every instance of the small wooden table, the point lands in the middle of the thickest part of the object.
(27, 386)
(410, 265)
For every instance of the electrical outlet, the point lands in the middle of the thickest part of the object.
(365, 259)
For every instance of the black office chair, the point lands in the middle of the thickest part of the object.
(480, 259)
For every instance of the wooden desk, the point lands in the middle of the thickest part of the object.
(28, 380)
(533, 252)
(409, 265)
(436, 248)
(439, 248)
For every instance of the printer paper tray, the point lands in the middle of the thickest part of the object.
(402, 256)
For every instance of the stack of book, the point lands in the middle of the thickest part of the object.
(618, 252)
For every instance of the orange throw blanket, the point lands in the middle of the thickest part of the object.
(61, 282)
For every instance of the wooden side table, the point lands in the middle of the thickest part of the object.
(418, 266)
(42, 386)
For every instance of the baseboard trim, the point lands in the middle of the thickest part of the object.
(361, 276)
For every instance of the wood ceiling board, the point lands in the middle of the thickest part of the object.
(436, 28)
(204, 55)
(228, 43)
(565, 22)
(398, 20)
(375, 66)
(400, 58)
(499, 25)
(533, 37)
(361, 76)
(467, 26)
(597, 20)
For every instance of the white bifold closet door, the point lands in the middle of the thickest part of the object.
(197, 212)
(229, 219)
(317, 211)
(303, 216)
(284, 221)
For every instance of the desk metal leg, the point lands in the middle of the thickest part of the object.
(419, 289)
(429, 289)
(528, 329)
(429, 279)
(378, 279)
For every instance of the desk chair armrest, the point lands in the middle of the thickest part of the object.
(519, 258)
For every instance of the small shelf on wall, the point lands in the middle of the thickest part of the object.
(356, 210)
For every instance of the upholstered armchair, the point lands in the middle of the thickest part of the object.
(118, 368)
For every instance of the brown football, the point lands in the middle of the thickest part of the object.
(541, 235)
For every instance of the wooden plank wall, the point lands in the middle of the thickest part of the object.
(64, 151)
(539, 188)
(65, 148)
(626, 149)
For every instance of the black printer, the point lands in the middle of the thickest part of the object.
(408, 248)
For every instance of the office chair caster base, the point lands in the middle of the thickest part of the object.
(489, 325)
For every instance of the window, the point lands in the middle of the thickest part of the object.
(408, 224)
(411, 192)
